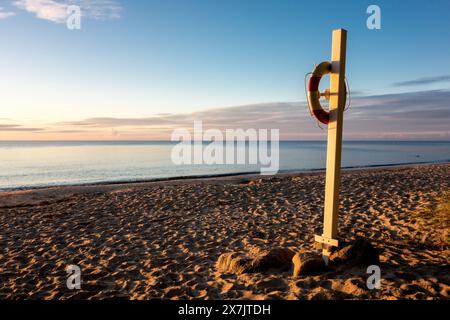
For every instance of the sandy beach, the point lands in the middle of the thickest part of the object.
(163, 239)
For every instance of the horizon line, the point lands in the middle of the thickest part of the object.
(281, 140)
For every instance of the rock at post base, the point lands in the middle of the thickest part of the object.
(238, 263)
(307, 264)
(233, 262)
(278, 258)
(358, 253)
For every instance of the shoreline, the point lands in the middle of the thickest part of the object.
(53, 194)
(250, 174)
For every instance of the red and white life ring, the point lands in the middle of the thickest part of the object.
(313, 92)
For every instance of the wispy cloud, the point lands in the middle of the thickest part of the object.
(99, 9)
(422, 81)
(422, 114)
(5, 14)
(17, 127)
(56, 11)
(411, 115)
(44, 9)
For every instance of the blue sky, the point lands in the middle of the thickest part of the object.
(138, 59)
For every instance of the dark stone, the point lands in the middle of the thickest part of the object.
(307, 264)
(277, 258)
(232, 262)
(358, 253)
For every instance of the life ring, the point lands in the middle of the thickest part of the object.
(313, 92)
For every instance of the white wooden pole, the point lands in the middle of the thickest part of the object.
(334, 147)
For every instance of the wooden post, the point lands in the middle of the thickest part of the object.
(334, 147)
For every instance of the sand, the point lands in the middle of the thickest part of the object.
(162, 239)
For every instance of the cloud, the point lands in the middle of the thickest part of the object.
(411, 115)
(17, 127)
(265, 113)
(398, 116)
(99, 9)
(56, 11)
(5, 14)
(422, 81)
(44, 9)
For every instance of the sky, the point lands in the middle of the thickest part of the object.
(136, 70)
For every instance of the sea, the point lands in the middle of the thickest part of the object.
(32, 164)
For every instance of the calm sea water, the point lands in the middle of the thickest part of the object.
(35, 164)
